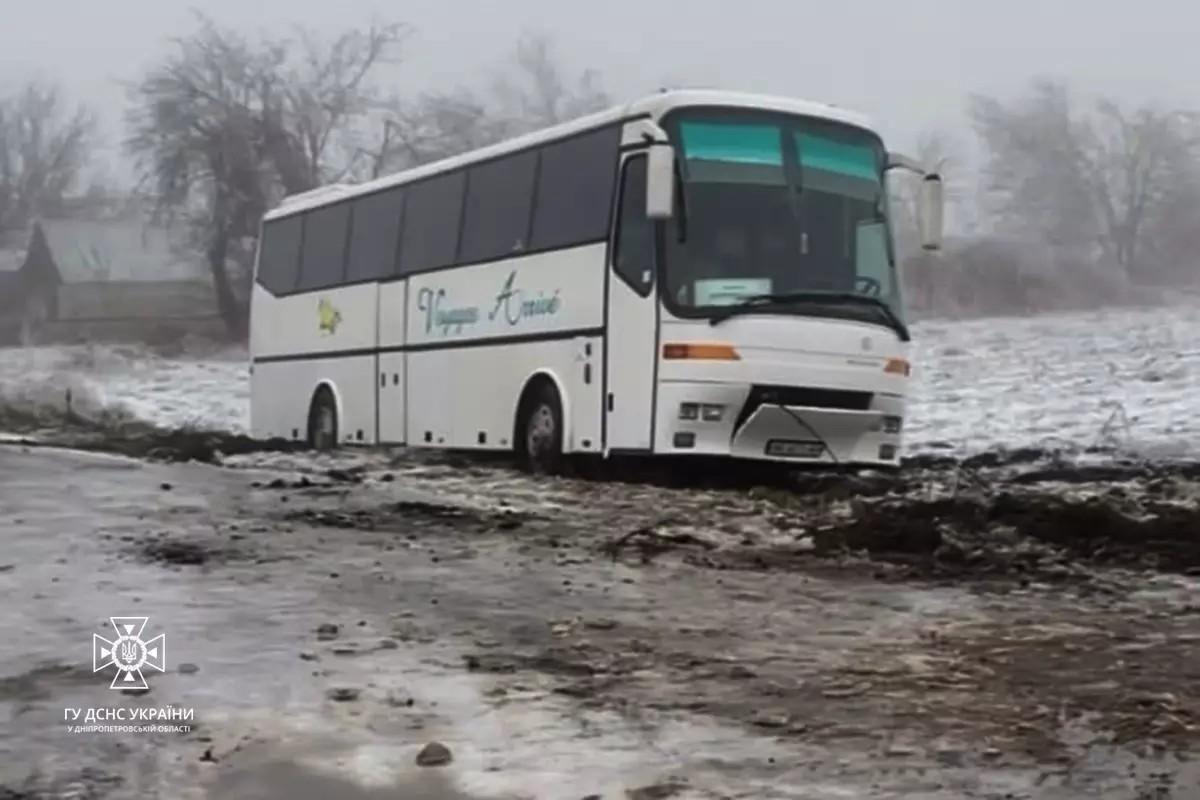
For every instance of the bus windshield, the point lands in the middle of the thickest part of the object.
(783, 206)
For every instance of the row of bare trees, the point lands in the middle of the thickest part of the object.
(224, 125)
(1097, 181)
(45, 145)
(1082, 203)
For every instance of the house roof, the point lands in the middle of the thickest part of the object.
(118, 250)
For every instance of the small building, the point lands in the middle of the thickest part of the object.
(105, 279)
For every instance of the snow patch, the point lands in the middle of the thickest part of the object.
(1119, 378)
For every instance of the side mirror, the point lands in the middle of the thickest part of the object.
(931, 209)
(660, 181)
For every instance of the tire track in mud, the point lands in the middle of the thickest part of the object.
(1058, 551)
(1026, 520)
(1028, 512)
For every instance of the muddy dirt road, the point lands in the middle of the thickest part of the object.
(1007, 630)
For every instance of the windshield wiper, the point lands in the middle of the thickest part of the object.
(750, 304)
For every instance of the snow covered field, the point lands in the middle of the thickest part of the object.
(1117, 377)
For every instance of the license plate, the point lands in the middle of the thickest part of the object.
(790, 449)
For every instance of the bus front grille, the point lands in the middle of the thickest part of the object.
(806, 396)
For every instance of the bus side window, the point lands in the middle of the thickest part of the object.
(633, 253)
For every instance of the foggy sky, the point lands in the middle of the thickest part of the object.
(907, 63)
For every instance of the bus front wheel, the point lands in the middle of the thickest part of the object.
(323, 421)
(539, 442)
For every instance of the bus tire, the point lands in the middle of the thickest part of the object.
(540, 431)
(323, 421)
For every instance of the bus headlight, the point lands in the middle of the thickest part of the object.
(706, 412)
(887, 424)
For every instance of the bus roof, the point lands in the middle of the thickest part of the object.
(654, 105)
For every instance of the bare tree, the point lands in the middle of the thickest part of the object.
(1144, 166)
(223, 127)
(1037, 171)
(198, 132)
(317, 109)
(45, 145)
(538, 93)
(533, 90)
(1090, 182)
(438, 125)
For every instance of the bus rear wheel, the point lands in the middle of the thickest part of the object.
(323, 421)
(539, 442)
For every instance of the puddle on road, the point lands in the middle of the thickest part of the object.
(287, 780)
(269, 718)
(253, 689)
(541, 749)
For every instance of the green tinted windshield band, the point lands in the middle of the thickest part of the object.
(746, 144)
(852, 160)
(840, 184)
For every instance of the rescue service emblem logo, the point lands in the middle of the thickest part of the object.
(129, 653)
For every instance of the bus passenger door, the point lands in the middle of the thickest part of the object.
(392, 384)
(631, 318)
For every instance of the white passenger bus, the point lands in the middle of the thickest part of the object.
(693, 273)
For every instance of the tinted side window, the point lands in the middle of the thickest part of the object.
(574, 192)
(499, 197)
(322, 262)
(279, 255)
(431, 217)
(633, 255)
(375, 232)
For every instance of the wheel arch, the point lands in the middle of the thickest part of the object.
(325, 384)
(543, 377)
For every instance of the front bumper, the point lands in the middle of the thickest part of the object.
(844, 428)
